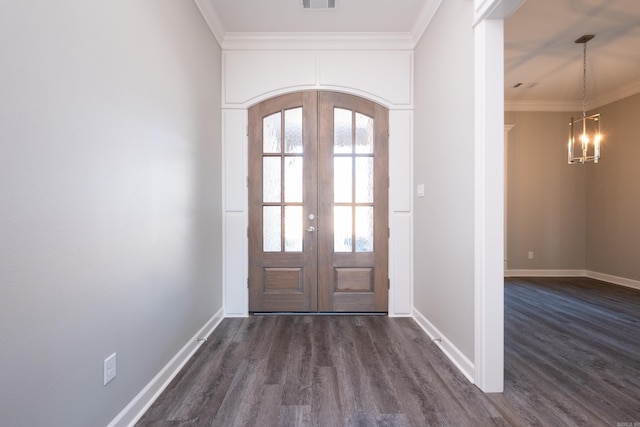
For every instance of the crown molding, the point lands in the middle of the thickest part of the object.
(552, 106)
(494, 9)
(212, 19)
(318, 41)
(565, 106)
(425, 17)
(624, 92)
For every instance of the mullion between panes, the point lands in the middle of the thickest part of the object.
(282, 204)
(353, 181)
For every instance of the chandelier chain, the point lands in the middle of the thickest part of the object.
(584, 82)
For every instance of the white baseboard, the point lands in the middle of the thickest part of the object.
(139, 405)
(451, 351)
(544, 273)
(622, 281)
(616, 280)
(400, 315)
(236, 315)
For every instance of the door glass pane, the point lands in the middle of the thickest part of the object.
(293, 179)
(293, 130)
(342, 135)
(364, 180)
(342, 180)
(364, 134)
(271, 229)
(271, 133)
(271, 185)
(342, 229)
(364, 228)
(293, 229)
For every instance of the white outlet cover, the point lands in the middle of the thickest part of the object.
(109, 369)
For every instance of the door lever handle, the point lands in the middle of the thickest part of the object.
(311, 229)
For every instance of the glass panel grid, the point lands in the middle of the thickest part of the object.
(293, 179)
(293, 229)
(343, 179)
(272, 133)
(364, 178)
(342, 229)
(364, 228)
(271, 179)
(364, 134)
(293, 130)
(272, 228)
(342, 130)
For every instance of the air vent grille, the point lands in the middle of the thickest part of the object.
(319, 4)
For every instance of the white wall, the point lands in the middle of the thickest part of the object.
(251, 76)
(443, 161)
(110, 189)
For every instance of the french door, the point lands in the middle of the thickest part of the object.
(318, 204)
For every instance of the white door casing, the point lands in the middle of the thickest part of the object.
(389, 84)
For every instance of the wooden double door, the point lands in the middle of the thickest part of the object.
(318, 204)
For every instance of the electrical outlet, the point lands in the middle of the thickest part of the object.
(109, 369)
(530, 255)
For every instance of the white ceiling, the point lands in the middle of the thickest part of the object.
(540, 51)
(349, 16)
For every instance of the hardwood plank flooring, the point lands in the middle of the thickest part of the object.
(572, 358)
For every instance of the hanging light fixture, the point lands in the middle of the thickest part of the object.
(584, 132)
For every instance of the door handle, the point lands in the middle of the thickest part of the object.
(311, 229)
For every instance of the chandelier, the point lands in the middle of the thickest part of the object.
(584, 132)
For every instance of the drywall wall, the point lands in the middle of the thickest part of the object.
(444, 163)
(546, 199)
(613, 194)
(110, 190)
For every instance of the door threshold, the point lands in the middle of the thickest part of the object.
(315, 313)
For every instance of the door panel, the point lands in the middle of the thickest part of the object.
(282, 195)
(318, 197)
(353, 204)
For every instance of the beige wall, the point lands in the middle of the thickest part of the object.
(110, 189)
(613, 195)
(546, 197)
(574, 217)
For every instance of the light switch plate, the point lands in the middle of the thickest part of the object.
(420, 190)
(109, 369)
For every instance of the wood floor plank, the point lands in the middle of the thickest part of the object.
(295, 416)
(571, 359)
(325, 407)
(298, 375)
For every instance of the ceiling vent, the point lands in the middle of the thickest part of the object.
(319, 4)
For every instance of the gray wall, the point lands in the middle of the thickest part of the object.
(613, 195)
(574, 216)
(546, 197)
(110, 224)
(444, 162)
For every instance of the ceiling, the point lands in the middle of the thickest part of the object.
(349, 16)
(540, 51)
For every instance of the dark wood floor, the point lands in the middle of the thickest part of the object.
(572, 358)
